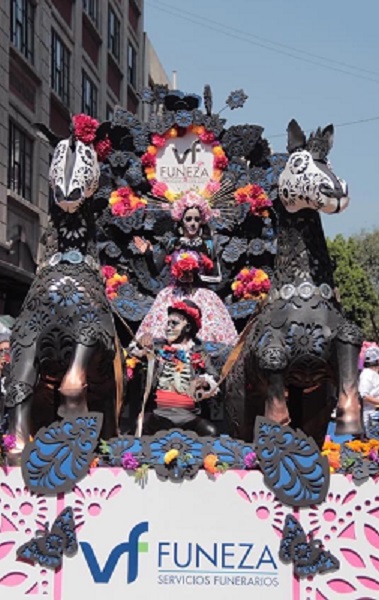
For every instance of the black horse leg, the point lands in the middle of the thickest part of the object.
(348, 417)
(73, 389)
(276, 407)
(23, 378)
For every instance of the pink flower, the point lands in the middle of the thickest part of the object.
(250, 460)
(213, 187)
(119, 209)
(129, 373)
(159, 188)
(85, 128)
(158, 140)
(129, 462)
(103, 148)
(108, 271)
(9, 442)
(207, 137)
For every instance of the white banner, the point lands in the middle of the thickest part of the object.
(201, 539)
(185, 163)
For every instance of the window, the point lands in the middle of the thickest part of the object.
(91, 7)
(20, 154)
(109, 113)
(113, 34)
(60, 68)
(132, 66)
(22, 27)
(89, 96)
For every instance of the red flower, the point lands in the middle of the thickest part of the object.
(148, 160)
(220, 162)
(85, 128)
(103, 149)
(108, 271)
(189, 263)
(197, 361)
(207, 137)
(207, 263)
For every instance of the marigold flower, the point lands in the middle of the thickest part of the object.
(210, 463)
(170, 456)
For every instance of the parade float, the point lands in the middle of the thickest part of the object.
(172, 368)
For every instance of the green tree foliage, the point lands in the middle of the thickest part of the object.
(368, 254)
(358, 296)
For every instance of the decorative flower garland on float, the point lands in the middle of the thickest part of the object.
(255, 196)
(149, 160)
(124, 202)
(113, 281)
(251, 284)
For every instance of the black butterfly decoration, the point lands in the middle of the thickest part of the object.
(308, 557)
(48, 547)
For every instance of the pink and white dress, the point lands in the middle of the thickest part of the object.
(217, 325)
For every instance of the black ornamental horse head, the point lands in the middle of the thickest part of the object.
(300, 342)
(63, 345)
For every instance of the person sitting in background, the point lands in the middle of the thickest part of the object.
(369, 384)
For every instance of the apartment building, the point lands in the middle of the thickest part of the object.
(57, 58)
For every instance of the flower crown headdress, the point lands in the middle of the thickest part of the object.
(193, 312)
(190, 200)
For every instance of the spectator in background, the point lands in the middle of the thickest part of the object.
(369, 383)
(4, 366)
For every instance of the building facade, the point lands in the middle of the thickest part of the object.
(57, 58)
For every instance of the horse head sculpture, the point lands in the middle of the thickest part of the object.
(63, 345)
(74, 173)
(300, 344)
(307, 180)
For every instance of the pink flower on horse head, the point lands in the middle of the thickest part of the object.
(85, 128)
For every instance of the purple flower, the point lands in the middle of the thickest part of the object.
(250, 460)
(129, 462)
(374, 456)
(9, 442)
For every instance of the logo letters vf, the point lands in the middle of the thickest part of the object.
(131, 547)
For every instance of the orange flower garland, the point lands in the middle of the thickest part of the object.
(113, 281)
(255, 196)
(124, 202)
(251, 284)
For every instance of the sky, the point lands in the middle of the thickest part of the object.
(317, 62)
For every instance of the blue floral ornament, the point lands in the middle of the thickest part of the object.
(61, 454)
(183, 118)
(291, 463)
(146, 95)
(236, 99)
(189, 447)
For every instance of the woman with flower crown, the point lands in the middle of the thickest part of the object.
(192, 268)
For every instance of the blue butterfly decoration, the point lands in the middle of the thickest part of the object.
(48, 547)
(308, 557)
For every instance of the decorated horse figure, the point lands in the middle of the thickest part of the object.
(63, 346)
(300, 343)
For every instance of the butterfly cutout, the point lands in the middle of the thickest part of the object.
(48, 547)
(308, 557)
